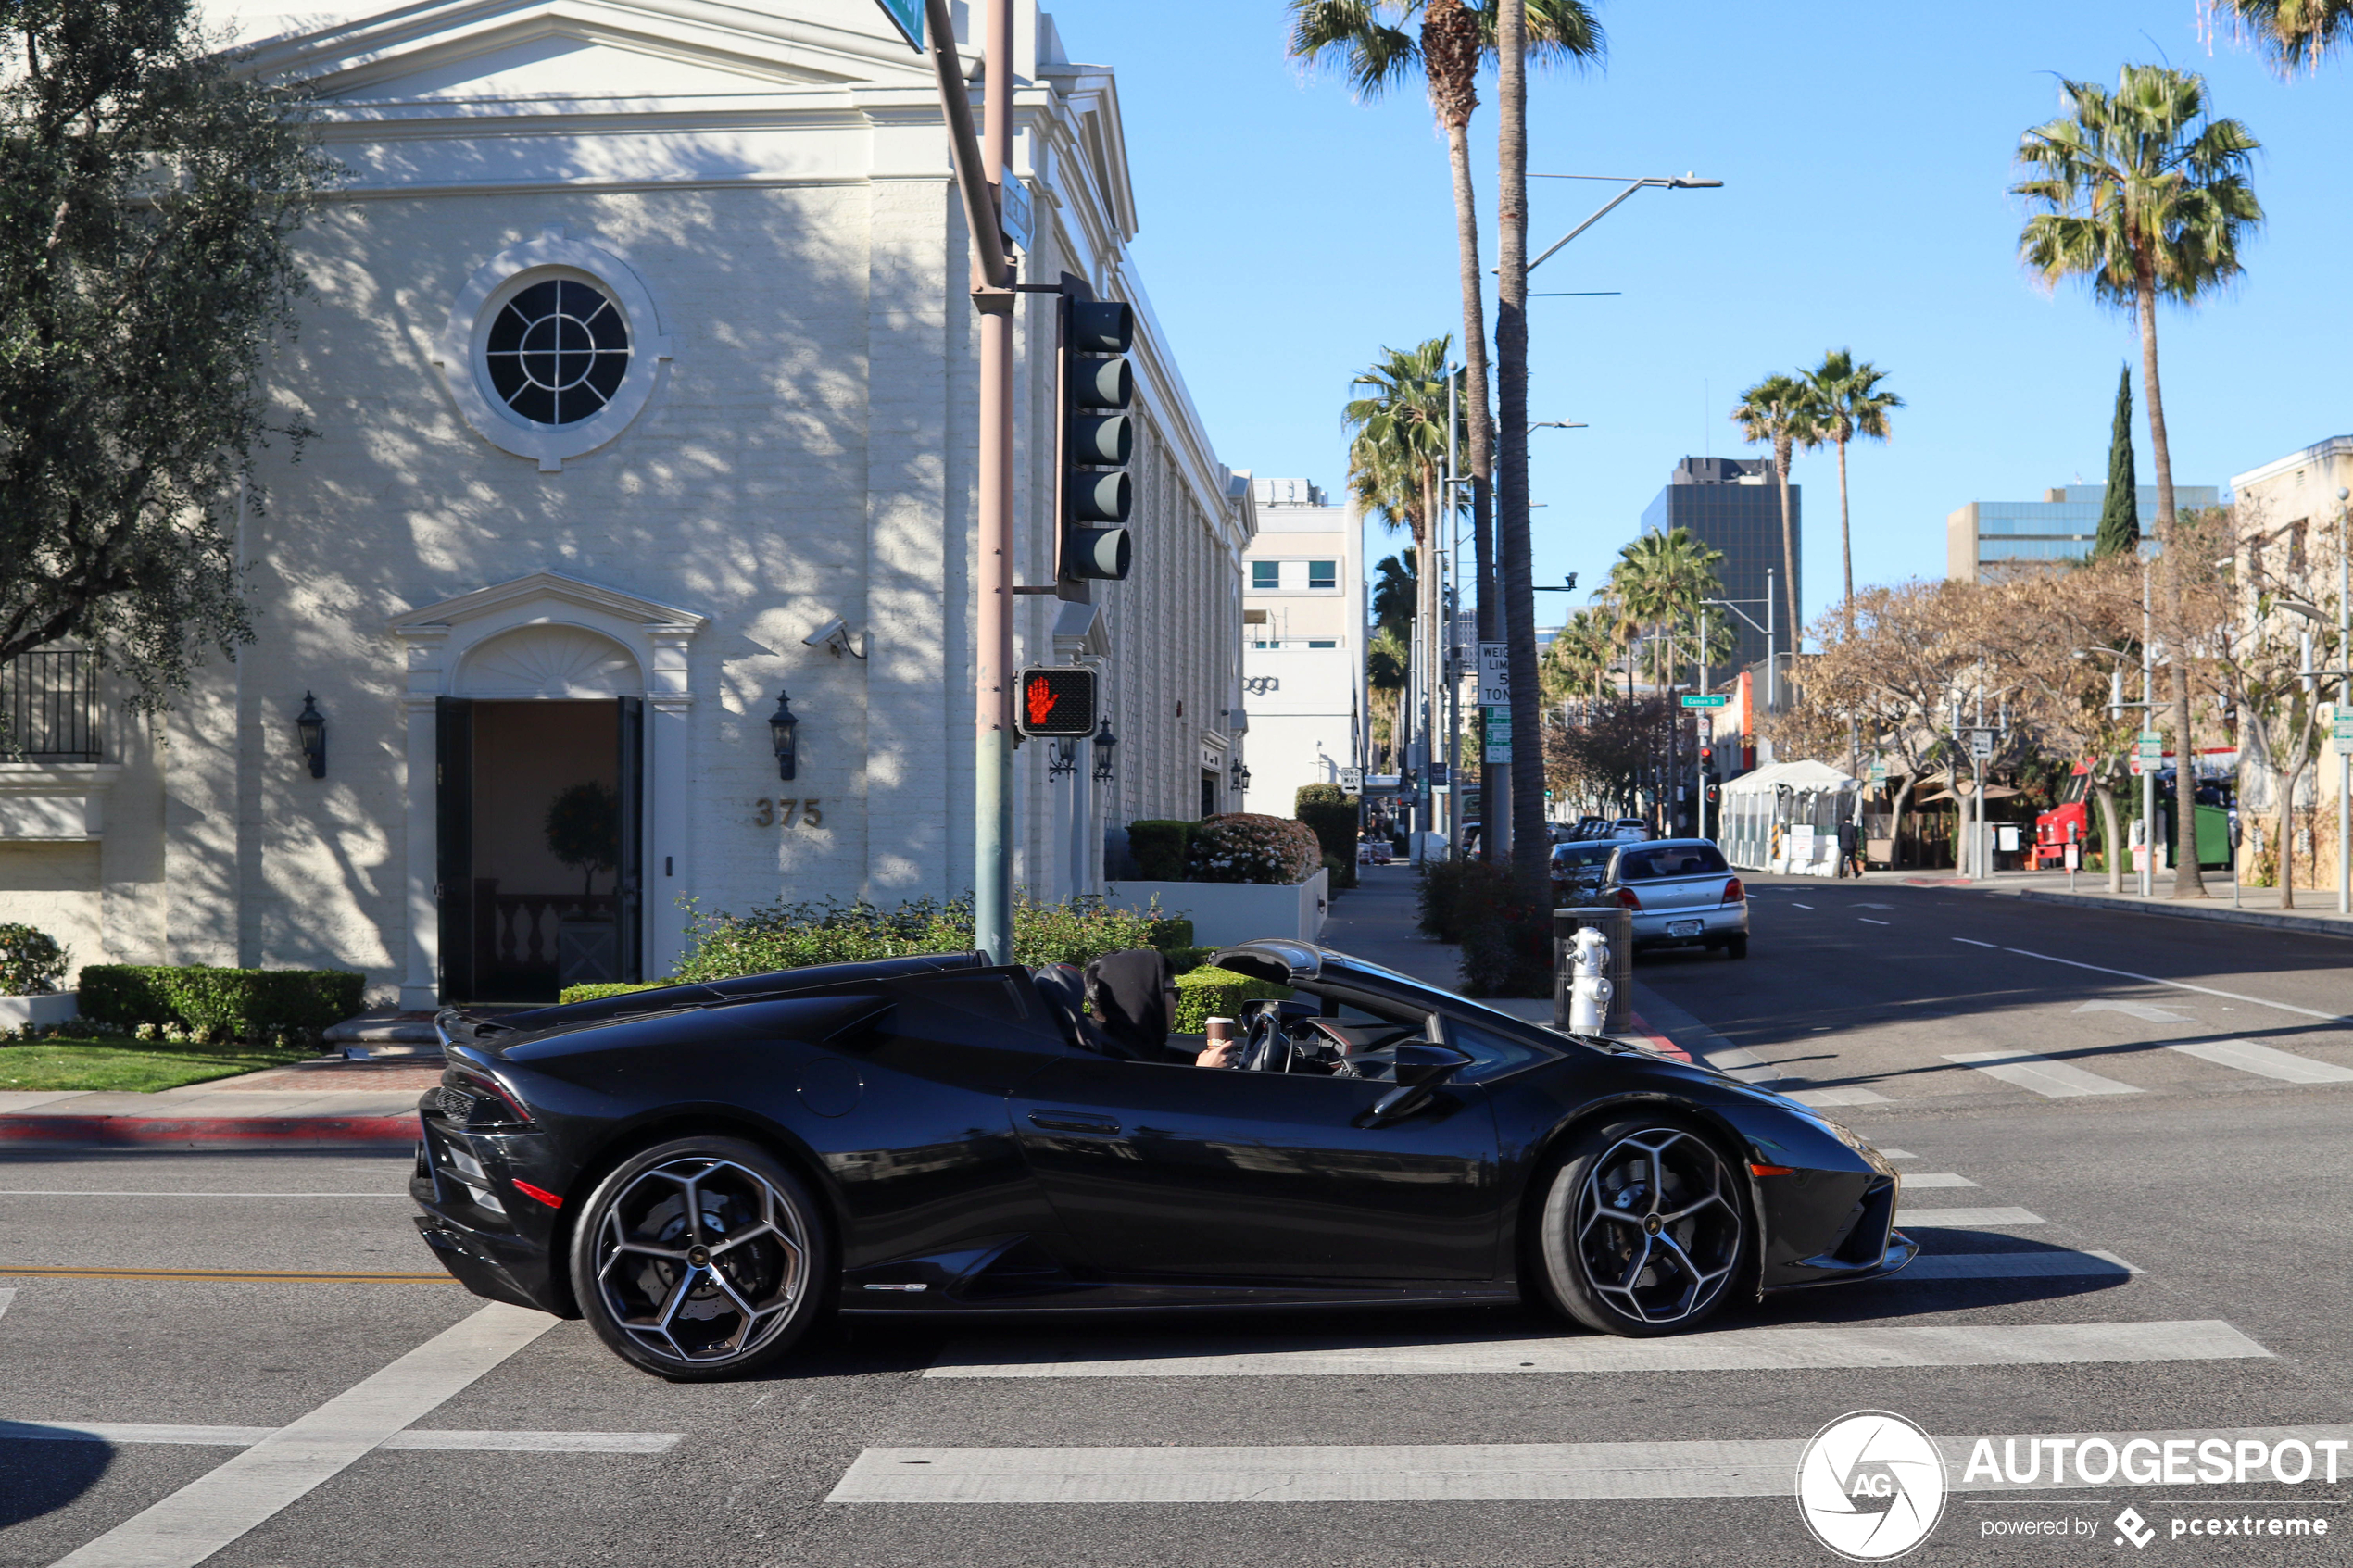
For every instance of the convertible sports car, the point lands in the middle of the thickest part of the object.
(701, 1169)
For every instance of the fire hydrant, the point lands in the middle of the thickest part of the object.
(1590, 986)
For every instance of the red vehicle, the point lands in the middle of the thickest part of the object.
(2051, 828)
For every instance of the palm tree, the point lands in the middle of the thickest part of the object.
(2148, 199)
(1395, 585)
(1779, 413)
(1576, 663)
(1848, 404)
(1660, 580)
(1384, 662)
(1395, 461)
(1373, 45)
(2293, 33)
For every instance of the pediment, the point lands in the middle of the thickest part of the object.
(504, 50)
(552, 590)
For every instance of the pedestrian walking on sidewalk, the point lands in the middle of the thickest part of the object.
(1850, 851)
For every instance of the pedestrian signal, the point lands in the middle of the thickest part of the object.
(1055, 700)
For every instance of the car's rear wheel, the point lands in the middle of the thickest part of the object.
(1645, 1227)
(701, 1258)
(1736, 946)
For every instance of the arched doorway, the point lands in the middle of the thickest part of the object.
(540, 753)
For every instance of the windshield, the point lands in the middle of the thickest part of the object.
(1670, 860)
(1569, 855)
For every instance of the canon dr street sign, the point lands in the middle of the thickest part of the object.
(907, 16)
(1712, 699)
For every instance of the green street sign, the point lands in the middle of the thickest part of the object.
(907, 16)
(1716, 699)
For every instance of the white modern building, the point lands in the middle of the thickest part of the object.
(1303, 633)
(504, 577)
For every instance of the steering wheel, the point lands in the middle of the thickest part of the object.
(1268, 1050)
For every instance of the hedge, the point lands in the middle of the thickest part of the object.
(240, 1003)
(1184, 960)
(32, 962)
(1159, 848)
(1204, 994)
(1335, 825)
(1173, 933)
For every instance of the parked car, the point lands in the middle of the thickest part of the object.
(1629, 830)
(1683, 895)
(704, 1170)
(1585, 828)
(1372, 850)
(1578, 872)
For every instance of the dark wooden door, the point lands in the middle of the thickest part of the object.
(630, 878)
(454, 813)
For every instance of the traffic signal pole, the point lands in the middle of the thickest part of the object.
(980, 171)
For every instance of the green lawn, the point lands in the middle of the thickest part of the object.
(140, 1066)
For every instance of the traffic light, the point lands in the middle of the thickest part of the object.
(1056, 699)
(1098, 434)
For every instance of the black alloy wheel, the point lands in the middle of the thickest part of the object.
(1645, 1227)
(700, 1258)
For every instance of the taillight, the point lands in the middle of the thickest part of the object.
(480, 1103)
(1626, 897)
(1733, 891)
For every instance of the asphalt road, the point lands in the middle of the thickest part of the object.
(2189, 1223)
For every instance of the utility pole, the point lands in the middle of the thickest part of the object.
(2344, 708)
(2148, 870)
(1772, 650)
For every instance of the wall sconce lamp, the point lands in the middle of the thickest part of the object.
(1239, 774)
(781, 728)
(1062, 758)
(1104, 741)
(310, 728)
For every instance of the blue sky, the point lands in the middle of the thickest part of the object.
(1287, 234)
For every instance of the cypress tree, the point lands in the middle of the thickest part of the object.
(2120, 508)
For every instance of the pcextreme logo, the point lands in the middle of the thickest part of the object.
(1870, 1485)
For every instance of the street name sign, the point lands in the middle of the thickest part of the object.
(2342, 733)
(1496, 745)
(1708, 700)
(1879, 772)
(1495, 674)
(2152, 745)
(907, 16)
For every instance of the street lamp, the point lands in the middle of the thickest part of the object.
(1104, 741)
(1666, 182)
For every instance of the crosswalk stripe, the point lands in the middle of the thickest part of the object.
(1898, 1154)
(1851, 1094)
(2248, 1057)
(441, 1440)
(2055, 1080)
(1964, 1219)
(2015, 1265)
(1737, 1350)
(1937, 1179)
(1430, 1471)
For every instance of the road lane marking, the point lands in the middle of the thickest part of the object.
(2144, 1012)
(104, 1192)
(1936, 1179)
(1795, 905)
(2248, 1057)
(1736, 1349)
(1845, 1095)
(2185, 986)
(1869, 920)
(215, 1509)
(1897, 1154)
(2015, 1265)
(440, 1441)
(2053, 1080)
(1704, 1044)
(1975, 943)
(1415, 1471)
(1966, 1219)
(7, 1299)
(220, 1277)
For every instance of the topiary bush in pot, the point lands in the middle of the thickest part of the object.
(1248, 847)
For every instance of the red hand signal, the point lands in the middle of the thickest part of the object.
(1041, 701)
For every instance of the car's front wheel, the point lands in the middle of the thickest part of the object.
(701, 1258)
(1645, 1229)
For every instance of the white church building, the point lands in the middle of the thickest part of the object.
(641, 352)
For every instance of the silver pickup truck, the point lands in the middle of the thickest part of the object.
(1682, 894)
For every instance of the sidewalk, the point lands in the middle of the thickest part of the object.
(2315, 913)
(329, 1104)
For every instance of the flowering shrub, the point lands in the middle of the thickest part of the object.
(31, 961)
(1246, 846)
(796, 936)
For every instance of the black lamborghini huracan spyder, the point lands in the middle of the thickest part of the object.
(700, 1169)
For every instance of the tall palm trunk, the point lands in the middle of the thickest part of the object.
(1845, 541)
(2188, 882)
(1783, 450)
(1532, 854)
(1450, 54)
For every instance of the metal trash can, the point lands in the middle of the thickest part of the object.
(1616, 923)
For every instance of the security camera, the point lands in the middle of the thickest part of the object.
(833, 637)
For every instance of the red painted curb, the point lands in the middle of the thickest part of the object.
(207, 1132)
(1659, 1042)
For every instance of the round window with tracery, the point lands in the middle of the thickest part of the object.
(557, 351)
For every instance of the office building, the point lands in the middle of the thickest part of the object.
(2062, 526)
(1732, 504)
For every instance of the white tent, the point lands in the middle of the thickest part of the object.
(1785, 816)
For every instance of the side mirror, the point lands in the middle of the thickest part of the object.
(1420, 1070)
